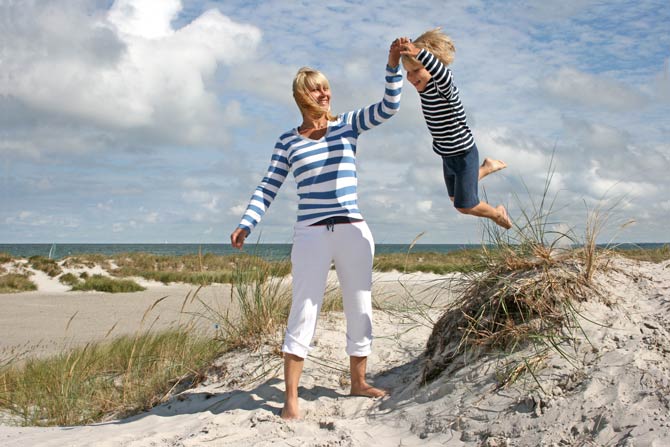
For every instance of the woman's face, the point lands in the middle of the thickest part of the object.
(321, 94)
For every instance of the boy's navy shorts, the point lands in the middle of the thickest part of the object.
(461, 174)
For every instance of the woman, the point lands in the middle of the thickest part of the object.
(321, 152)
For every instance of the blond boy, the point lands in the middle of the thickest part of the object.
(425, 60)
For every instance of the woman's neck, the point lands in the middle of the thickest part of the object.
(310, 123)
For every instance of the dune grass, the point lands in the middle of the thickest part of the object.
(48, 266)
(466, 260)
(195, 269)
(261, 300)
(5, 257)
(15, 282)
(528, 295)
(105, 380)
(106, 284)
(655, 255)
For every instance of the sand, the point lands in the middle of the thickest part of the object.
(617, 394)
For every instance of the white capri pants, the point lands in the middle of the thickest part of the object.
(351, 247)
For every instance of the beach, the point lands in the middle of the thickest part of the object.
(617, 395)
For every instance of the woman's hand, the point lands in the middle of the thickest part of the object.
(237, 238)
(407, 48)
(394, 54)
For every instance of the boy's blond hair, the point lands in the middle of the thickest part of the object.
(305, 80)
(438, 43)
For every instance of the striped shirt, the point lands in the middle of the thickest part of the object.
(324, 169)
(443, 110)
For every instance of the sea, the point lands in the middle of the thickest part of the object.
(266, 251)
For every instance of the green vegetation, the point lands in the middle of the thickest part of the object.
(15, 282)
(106, 284)
(646, 254)
(115, 379)
(48, 266)
(5, 257)
(527, 296)
(457, 261)
(196, 269)
(69, 279)
(261, 303)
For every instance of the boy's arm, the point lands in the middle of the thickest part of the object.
(438, 71)
(267, 189)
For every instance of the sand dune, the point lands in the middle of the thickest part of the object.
(618, 394)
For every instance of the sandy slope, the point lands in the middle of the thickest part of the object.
(617, 395)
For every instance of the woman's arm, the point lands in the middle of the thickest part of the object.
(263, 195)
(375, 114)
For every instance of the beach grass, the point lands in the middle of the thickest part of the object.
(46, 265)
(527, 296)
(106, 284)
(194, 269)
(69, 279)
(466, 260)
(105, 380)
(16, 282)
(655, 255)
(260, 303)
(5, 257)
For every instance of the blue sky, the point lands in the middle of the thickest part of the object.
(146, 121)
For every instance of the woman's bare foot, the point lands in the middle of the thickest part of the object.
(367, 391)
(290, 410)
(489, 166)
(503, 219)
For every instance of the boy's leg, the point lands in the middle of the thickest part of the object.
(497, 214)
(353, 257)
(490, 166)
(466, 186)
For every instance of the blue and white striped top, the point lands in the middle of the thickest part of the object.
(443, 110)
(324, 169)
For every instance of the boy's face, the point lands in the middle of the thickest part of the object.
(417, 75)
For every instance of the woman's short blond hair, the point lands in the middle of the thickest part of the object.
(438, 43)
(307, 79)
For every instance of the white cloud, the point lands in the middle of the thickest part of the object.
(157, 80)
(572, 86)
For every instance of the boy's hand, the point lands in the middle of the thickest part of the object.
(407, 48)
(394, 54)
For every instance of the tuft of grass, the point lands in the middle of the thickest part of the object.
(48, 266)
(259, 309)
(655, 255)
(466, 260)
(5, 257)
(193, 269)
(69, 279)
(88, 260)
(105, 284)
(15, 282)
(527, 296)
(106, 380)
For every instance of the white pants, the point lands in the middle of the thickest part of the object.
(351, 247)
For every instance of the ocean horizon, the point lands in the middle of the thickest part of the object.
(267, 250)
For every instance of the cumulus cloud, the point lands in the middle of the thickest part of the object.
(585, 89)
(140, 73)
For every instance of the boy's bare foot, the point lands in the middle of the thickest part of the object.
(503, 219)
(290, 410)
(489, 166)
(367, 391)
